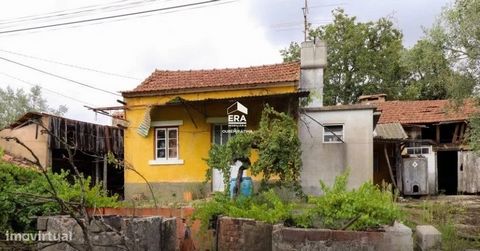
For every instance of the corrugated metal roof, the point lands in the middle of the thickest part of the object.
(391, 131)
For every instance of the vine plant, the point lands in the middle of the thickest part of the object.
(278, 146)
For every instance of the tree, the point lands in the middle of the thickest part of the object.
(279, 154)
(363, 58)
(14, 103)
(428, 74)
(458, 33)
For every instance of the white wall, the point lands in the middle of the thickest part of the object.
(324, 161)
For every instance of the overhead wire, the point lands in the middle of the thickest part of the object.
(58, 76)
(47, 89)
(90, 20)
(71, 12)
(69, 65)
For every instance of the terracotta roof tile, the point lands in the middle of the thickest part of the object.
(162, 80)
(423, 111)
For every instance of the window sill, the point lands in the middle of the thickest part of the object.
(166, 162)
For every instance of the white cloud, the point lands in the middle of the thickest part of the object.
(211, 37)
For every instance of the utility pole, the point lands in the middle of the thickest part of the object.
(305, 19)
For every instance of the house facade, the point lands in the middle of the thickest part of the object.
(176, 116)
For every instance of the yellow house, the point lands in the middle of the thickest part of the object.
(176, 116)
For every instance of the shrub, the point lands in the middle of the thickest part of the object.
(25, 193)
(364, 208)
(278, 146)
(267, 206)
(367, 207)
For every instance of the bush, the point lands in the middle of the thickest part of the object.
(25, 193)
(267, 206)
(367, 207)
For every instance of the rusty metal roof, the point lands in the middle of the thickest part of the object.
(390, 131)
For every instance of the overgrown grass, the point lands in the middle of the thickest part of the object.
(443, 216)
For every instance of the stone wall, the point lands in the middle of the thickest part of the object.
(111, 233)
(394, 238)
(247, 234)
(243, 234)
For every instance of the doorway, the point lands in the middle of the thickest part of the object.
(220, 136)
(447, 162)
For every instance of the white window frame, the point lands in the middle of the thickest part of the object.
(418, 146)
(222, 126)
(327, 131)
(166, 160)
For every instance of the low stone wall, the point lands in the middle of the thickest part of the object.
(247, 234)
(200, 239)
(394, 238)
(110, 233)
(243, 234)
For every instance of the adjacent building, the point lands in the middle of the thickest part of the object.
(420, 146)
(47, 136)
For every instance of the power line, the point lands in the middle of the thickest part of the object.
(70, 65)
(2, 21)
(58, 76)
(110, 17)
(73, 13)
(50, 90)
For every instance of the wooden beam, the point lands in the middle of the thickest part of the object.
(462, 132)
(97, 172)
(455, 133)
(105, 165)
(437, 138)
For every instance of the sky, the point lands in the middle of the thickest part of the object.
(235, 33)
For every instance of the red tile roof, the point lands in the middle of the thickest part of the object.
(163, 81)
(423, 111)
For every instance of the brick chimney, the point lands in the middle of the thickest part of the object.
(313, 59)
(370, 99)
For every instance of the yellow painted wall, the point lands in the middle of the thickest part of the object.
(194, 142)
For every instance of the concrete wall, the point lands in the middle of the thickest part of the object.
(325, 161)
(394, 238)
(246, 234)
(468, 172)
(31, 136)
(111, 233)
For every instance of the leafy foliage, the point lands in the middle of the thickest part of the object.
(363, 58)
(267, 206)
(457, 31)
(14, 103)
(24, 193)
(368, 207)
(278, 148)
(221, 157)
(364, 208)
(368, 58)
